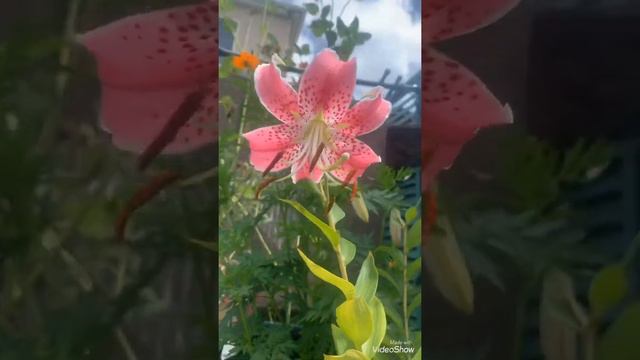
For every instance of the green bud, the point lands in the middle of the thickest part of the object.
(360, 207)
(396, 227)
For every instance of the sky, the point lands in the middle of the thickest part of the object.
(396, 40)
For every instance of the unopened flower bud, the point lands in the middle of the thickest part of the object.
(396, 227)
(360, 207)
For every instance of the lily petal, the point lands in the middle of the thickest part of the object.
(367, 115)
(457, 105)
(327, 85)
(135, 118)
(262, 159)
(448, 18)
(172, 47)
(275, 94)
(361, 156)
(147, 65)
(271, 138)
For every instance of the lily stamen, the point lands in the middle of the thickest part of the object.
(273, 163)
(316, 157)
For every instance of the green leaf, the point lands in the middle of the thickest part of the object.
(353, 27)
(362, 37)
(325, 11)
(413, 305)
(414, 268)
(331, 37)
(393, 253)
(305, 50)
(391, 280)
(349, 355)
(410, 214)
(209, 245)
(340, 339)
(355, 319)
(336, 214)
(608, 289)
(620, 341)
(414, 235)
(343, 31)
(367, 282)
(418, 355)
(230, 25)
(346, 287)
(393, 315)
(311, 8)
(448, 269)
(379, 319)
(331, 233)
(348, 250)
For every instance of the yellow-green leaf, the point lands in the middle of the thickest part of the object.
(448, 269)
(414, 235)
(346, 287)
(620, 341)
(367, 282)
(336, 213)
(418, 355)
(379, 319)
(410, 214)
(349, 355)
(355, 320)
(348, 250)
(340, 339)
(331, 233)
(608, 289)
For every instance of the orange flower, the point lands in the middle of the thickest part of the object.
(245, 60)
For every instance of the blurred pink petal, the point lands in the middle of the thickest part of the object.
(456, 104)
(445, 19)
(148, 64)
(318, 131)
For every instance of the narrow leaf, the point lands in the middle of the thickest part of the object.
(346, 287)
(379, 319)
(327, 230)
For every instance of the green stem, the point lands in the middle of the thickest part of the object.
(245, 326)
(405, 284)
(326, 198)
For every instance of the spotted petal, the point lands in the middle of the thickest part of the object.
(275, 94)
(448, 18)
(361, 156)
(457, 104)
(147, 65)
(327, 85)
(135, 118)
(366, 116)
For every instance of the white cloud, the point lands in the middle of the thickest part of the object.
(396, 40)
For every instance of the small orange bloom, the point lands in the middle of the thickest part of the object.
(245, 60)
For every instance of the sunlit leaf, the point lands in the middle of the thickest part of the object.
(328, 231)
(355, 319)
(367, 282)
(346, 287)
(414, 235)
(349, 355)
(340, 339)
(348, 250)
(336, 213)
(379, 319)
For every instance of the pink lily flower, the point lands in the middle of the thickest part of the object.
(319, 129)
(151, 64)
(456, 103)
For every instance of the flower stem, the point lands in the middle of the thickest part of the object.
(326, 200)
